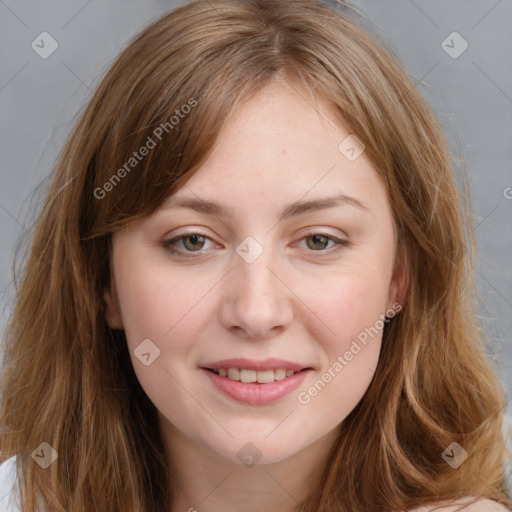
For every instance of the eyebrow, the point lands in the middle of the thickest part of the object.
(292, 210)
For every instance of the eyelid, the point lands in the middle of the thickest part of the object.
(311, 231)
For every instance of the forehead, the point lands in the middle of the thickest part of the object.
(282, 145)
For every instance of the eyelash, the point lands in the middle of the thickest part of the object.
(169, 245)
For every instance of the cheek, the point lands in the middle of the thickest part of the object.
(349, 329)
(166, 308)
(347, 305)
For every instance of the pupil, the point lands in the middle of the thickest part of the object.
(196, 240)
(318, 239)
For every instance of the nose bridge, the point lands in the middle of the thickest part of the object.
(255, 281)
(252, 260)
(255, 299)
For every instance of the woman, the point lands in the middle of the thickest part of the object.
(248, 288)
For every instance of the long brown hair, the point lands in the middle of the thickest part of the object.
(67, 377)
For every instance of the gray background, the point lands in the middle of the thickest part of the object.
(471, 95)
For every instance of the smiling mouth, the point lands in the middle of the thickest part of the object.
(254, 376)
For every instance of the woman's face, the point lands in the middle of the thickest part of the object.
(280, 257)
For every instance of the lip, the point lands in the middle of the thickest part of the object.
(252, 364)
(254, 393)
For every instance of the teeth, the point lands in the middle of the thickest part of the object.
(265, 376)
(248, 376)
(233, 373)
(280, 374)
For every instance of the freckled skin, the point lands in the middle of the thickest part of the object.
(293, 302)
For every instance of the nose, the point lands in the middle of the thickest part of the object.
(256, 300)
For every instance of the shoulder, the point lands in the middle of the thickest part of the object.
(482, 505)
(9, 486)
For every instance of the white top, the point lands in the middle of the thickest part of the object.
(8, 486)
(9, 494)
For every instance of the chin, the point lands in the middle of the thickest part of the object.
(257, 451)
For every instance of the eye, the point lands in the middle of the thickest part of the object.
(186, 243)
(318, 242)
(189, 243)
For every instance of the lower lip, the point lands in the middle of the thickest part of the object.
(254, 393)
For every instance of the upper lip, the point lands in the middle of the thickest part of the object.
(252, 364)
